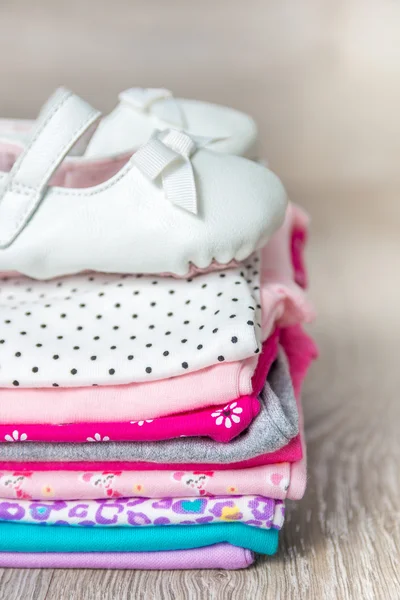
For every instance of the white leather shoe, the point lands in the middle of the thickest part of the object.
(172, 206)
(143, 110)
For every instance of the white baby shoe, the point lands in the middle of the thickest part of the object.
(143, 110)
(174, 205)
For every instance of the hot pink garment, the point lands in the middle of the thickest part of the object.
(217, 556)
(279, 481)
(206, 422)
(283, 303)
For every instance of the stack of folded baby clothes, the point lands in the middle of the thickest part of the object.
(151, 344)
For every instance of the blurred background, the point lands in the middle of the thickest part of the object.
(322, 77)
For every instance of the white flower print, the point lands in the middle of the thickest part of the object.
(16, 437)
(141, 423)
(228, 414)
(97, 438)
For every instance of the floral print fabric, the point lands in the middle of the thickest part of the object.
(220, 423)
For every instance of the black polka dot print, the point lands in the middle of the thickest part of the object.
(102, 329)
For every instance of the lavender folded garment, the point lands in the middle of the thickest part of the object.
(218, 556)
(273, 428)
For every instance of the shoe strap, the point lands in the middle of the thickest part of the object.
(61, 123)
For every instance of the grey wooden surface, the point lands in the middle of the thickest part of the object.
(322, 79)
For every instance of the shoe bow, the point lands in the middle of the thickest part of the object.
(147, 100)
(167, 154)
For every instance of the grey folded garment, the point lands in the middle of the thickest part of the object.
(275, 425)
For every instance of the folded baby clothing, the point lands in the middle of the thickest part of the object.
(300, 350)
(217, 556)
(291, 452)
(112, 329)
(195, 422)
(234, 417)
(255, 511)
(278, 481)
(150, 412)
(275, 425)
(16, 537)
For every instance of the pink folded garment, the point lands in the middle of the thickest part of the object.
(279, 481)
(218, 556)
(283, 303)
(221, 423)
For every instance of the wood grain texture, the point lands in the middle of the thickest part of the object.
(342, 541)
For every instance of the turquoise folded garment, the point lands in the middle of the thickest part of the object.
(17, 537)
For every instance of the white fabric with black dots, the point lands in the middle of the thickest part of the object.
(99, 329)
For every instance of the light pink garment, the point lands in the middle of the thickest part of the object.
(283, 303)
(133, 402)
(279, 481)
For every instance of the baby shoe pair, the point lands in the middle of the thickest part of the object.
(160, 185)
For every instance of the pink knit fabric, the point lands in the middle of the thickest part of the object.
(202, 422)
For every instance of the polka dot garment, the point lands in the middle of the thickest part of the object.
(99, 329)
